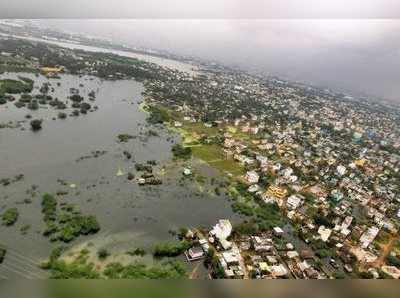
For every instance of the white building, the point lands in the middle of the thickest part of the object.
(368, 236)
(341, 170)
(325, 233)
(293, 202)
(222, 229)
(252, 177)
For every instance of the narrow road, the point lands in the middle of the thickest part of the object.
(386, 249)
(193, 274)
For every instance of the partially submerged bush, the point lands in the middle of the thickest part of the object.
(10, 216)
(62, 115)
(36, 124)
(181, 152)
(171, 249)
(3, 252)
(103, 254)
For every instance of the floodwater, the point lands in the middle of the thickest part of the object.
(130, 215)
(164, 62)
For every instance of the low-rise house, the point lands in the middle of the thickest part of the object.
(229, 143)
(368, 236)
(324, 233)
(253, 188)
(230, 258)
(278, 231)
(277, 192)
(392, 271)
(341, 170)
(293, 202)
(292, 254)
(278, 270)
(195, 253)
(272, 260)
(312, 273)
(221, 231)
(228, 153)
(177, 124)
(251, 177)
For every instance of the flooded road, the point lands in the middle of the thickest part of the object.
(50, 159)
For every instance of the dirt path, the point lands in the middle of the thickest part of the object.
(193, 274)
(386, 249)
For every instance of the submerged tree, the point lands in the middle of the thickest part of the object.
(36, 124)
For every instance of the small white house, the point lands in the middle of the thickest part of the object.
(252, 177)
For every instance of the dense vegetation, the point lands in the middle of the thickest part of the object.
(61, 270)
(16, 87)
(171, 249)
(80, 269)
(136, 252)
(181, 152)
(157, 115)
(393, 261)
(168, 270)
(262, 216)
(68, 224)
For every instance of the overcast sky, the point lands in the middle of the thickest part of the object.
(190, 9)
(358, 55)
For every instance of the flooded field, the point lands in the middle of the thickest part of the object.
(58, 158)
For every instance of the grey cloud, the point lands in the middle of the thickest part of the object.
(358, 55)
(200, 9)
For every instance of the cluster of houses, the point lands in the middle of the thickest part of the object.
(262, 256)
(323, 158)
(344, 231)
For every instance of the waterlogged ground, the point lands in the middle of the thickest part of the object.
(130, 215)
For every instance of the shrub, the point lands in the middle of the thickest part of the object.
(26, 98)
(3, 252)
(14, 86)
(62, 115)
(339, 275)
(136, 252)
(171, 249)
(393, 261)
(167, 270)
(10, 216)
(85, 106)
(144, 168)
(33, 105)
(181, 152)
(246, 228)
(36, 124)
(242, 208)
(76, 98)
(76, 105)
(76, 270)
(19, 104)
(49, 207)
(103, 253)
(61, 105)
(124, 138)
(321, 220)
(157, 115)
